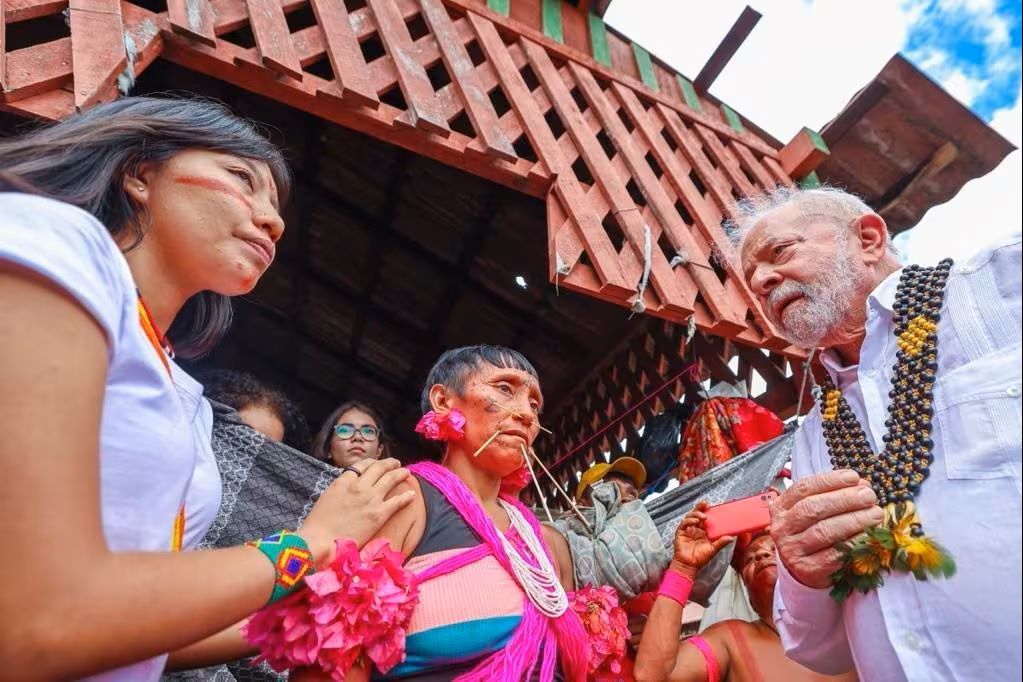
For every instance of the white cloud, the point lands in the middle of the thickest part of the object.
(800, 66)
(980, 16)
(805, 60)
(940, 66)
(984, 210)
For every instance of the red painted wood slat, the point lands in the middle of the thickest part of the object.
(273, 38)
(351, 77)
(193, 19)
(3, 47)
(726, 161)
(590, 235)
(423, 112)
(34, 70)
(625, 212)
(23, 10)
(98, 54)
(463, 72)
(698, 274)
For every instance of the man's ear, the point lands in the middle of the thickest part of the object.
(871, 232)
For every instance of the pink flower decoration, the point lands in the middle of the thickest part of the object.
(447, 427)
(360, 604)
(514, 482)
(607, 625)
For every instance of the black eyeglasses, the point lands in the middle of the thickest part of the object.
(347, 431)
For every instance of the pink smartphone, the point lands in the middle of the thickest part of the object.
(740, 516)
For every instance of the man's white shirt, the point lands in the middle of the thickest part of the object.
(966, 627)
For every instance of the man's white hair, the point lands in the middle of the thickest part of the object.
(830, 203)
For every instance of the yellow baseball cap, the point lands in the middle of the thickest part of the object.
(630, 467)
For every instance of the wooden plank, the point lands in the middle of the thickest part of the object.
(143, 41)
(689, 93)
(351, 74)
(98, 54)
(645, 67)
(727, 48)
(625, 212)
(748, 161)
(598, 40)
(693, 153)
(566, 187)
(803, 153)
(23, 10)
(774, 168)
(193, 19)
(52, 105)
(3, 46)
(478, 106)
(273, 38)
(698, 275)
(550, 18)
(711, 230)
(714, 294)
(726, 162)
(522, 175)
(621, 72)
(412, 79)
(942, 157)
(855, 110)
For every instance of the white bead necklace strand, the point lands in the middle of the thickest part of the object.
(540, 583)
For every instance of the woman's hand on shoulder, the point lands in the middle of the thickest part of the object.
(356, 506)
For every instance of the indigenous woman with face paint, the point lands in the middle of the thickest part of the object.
(123, 233)
(492, 604)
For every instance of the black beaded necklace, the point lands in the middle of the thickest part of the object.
(897, 473)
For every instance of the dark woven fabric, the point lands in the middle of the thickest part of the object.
(267, 487)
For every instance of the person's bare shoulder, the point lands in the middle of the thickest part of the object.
(404, 530)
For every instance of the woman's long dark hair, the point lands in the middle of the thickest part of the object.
(83, 161)
(321, 444)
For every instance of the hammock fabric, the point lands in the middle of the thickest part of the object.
(720, 429)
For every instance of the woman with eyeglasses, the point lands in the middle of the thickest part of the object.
(353, 432)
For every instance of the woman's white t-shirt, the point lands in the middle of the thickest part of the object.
(150, 437)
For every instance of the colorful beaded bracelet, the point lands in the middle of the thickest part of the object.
(291, 558)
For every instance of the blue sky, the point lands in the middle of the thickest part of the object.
(807, 58)
(979, 40)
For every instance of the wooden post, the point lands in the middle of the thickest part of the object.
(193, 19)
(97, 49)
(804, 153)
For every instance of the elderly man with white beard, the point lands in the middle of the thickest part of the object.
(900, 542)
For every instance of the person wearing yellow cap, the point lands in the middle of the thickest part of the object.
(626, 473)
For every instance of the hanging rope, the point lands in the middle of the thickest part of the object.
(561, 269)
(638, 306)
(802, 387)
(680, 259)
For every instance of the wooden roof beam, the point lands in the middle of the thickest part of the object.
(942, 157)
(734, 39)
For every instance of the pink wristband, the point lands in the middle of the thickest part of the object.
(676, 586)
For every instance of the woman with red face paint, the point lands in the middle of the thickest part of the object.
(492, 604)
(135, 217)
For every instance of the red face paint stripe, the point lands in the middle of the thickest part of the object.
(215, 185)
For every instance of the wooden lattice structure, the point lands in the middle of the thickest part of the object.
(636, 164)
